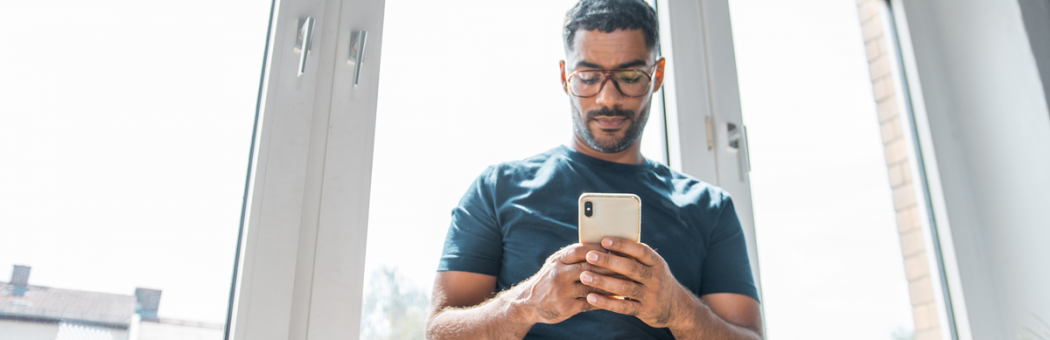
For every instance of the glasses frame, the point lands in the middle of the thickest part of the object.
(606, 73)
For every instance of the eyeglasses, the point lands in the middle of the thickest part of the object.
(630, 83)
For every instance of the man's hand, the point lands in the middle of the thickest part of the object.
(555, 293)
(655, 295)
(659, 300)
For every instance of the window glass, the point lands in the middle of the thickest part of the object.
(824, 217)
(492, 93)
(124, 137)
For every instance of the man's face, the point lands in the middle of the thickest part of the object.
(610, 121)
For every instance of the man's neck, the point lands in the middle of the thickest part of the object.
(631, 155)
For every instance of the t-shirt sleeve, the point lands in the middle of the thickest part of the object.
(726, 268)
(474, 242)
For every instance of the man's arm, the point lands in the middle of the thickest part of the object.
(659, 300)
(719, 316)
(460, 309)
(552, 295)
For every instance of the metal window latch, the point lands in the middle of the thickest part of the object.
(357, 53)
(710, 133)
(737, 138)
(303, 41)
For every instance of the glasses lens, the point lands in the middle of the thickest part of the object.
(632, 82)
(586, 83)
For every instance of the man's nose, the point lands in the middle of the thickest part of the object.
(609, 96)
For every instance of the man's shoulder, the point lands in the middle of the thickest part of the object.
(686, 188)
(526, 167)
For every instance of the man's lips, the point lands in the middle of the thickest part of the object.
(610, 123)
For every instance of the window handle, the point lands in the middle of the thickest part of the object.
(737, 138)
(357, 52)
(302, 42)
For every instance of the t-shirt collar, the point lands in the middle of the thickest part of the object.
(579, 157)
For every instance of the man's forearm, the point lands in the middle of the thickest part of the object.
(698, 321)
(499, 318)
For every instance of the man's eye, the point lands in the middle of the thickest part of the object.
(630, 76)
(588, 77)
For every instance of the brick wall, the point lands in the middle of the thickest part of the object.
(909, 228)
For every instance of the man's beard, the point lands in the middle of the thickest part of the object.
(613, 144)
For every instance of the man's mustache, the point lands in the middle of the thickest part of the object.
(609, 112)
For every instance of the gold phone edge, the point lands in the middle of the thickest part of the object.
(579, 220)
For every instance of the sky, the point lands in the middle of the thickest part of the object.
(124, 134)
(125, 154)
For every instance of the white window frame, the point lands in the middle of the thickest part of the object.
(301, 268)
(302, 255)
(701, 99)
(939, 256)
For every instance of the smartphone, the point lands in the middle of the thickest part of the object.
(613, 215)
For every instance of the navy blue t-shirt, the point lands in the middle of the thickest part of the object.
(516, 214)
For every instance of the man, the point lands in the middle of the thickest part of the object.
(511, 267)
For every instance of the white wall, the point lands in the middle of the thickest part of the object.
(984, 128)
(22, 330)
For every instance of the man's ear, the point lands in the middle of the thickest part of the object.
(564, 85)
(658, 76)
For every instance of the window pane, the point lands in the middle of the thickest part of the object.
(125, 138)
(434, 136)
(824, 215)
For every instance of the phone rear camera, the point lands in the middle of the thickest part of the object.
(588, 209)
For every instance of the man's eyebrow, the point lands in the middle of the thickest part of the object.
(633, 63)
(636, 62)
(587, 64)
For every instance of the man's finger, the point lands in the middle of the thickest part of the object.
(578, 268)
(625, 307)
(639, 251)
(582, 290)
(613, 285)
(621, 265)
(577, 252)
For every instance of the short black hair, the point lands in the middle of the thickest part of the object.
(610, 15)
